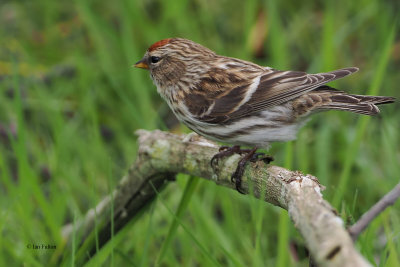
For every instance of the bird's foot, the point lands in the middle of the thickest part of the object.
(262, 156)
(236, 177)
(226, 151)
(250, 155)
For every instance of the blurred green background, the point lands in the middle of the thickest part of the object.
(70, 103)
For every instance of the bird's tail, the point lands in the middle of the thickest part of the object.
(361, 104)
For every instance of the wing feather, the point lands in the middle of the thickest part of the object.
(274, 87)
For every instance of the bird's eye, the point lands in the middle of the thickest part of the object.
(154, 59)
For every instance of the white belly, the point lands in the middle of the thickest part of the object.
(272, 125)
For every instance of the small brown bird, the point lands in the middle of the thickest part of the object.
(241, 103)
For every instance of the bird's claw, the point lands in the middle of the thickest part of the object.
(224, 151)
(261, 156)
(223, 148)
(214, 161)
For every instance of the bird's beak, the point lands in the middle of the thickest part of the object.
(142, 64)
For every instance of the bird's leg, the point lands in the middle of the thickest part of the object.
(237, 175)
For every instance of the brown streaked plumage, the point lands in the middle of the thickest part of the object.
(239, 102)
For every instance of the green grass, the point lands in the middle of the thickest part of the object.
(70, 102)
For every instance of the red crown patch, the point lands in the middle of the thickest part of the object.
(159, 44)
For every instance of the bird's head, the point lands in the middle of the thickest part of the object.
(172, 60)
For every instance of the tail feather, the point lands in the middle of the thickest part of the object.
(365, 109)
(361, 104)
(327, 98)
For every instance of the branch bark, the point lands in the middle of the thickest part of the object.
(161, 155)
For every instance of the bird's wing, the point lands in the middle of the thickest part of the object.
(267, 90)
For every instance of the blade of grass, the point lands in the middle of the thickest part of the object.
(104, 253)
(277, 41)
(280, 59)
(183, 204)
(323, 154)
(73, 242)
(149, 231)
(215, 229)
(186, 230)
(129, 43)
(258, 212)
(111, 187)
(362, 123)
(393, 258)
(283, 230)
(28, 180)
(328, 34)
(127, 260)
(97, 28)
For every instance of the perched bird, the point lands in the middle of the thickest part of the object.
(241, 103)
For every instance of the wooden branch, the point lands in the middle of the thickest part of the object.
(161, 155)
(386, 201)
